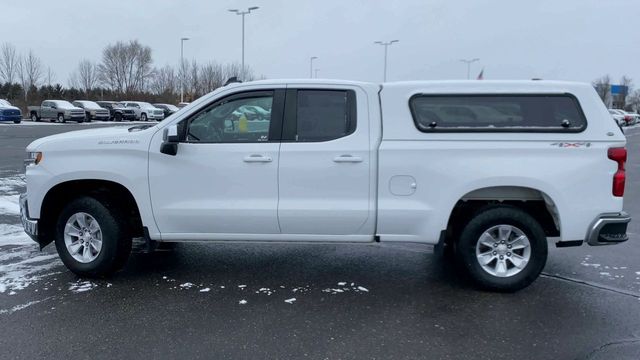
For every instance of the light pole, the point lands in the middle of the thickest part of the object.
(311, 65)
(182, 40)
(469, 62)
(243, 13)
(316, 73)
(386, 45)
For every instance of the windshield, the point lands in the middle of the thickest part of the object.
(145, 105)
(63, 103)
(172, 107)
(4, 103)
(90, 105)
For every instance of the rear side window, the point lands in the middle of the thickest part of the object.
(497, 113)
(324, 115)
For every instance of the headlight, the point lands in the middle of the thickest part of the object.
(33, 158)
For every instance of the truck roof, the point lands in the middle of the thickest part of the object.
(456, 86)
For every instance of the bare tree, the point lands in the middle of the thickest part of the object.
(9, 63)
(30, 72)
(126, 67)
(603, 88)
(211, 77)
(633, 101)
(627, 84)
(50, 77)
(164, 81)
(87, 75)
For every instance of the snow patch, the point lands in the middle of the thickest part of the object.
(361, 288)
(186, 285)
(9, 205)
(11, 234)
(205, 290)
(22, 266)
(81, 286)
(242, 302)
(21, 307)
(290, 301)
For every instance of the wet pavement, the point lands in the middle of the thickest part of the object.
(309, 301)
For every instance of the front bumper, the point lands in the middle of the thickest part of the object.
(10, 117)
(30, 225)
(74, 117)
(608, 229)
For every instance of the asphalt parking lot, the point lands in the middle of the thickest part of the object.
(308, 301)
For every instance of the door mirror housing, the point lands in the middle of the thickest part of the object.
(171, 139)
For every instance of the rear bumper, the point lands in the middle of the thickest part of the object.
(608, 229)
(30, 225)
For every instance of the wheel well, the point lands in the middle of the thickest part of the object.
(534, 202)
(61, 194)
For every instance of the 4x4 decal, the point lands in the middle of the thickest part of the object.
(571, 144)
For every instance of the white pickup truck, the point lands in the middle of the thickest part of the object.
(489, 172)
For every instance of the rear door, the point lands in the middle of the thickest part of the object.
(324, 178)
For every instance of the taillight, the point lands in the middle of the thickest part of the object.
(618, 155)
(627, 118)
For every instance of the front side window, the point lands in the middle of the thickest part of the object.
(493, 113)
(324, 115)
(240, 120)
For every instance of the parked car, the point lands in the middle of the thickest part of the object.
(56, 110)
(182, 104)
(629, 118)
(343, 162)
(619, 118)
(9, 112)
(117, 111)
(144, 111)
(167, 108)
(92, 110)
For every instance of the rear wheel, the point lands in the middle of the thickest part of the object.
(143, 117)
(117, 117)
(92, 238)
(34, 117)
(16, 121)
(503, 249)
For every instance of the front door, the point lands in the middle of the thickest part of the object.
(324, 177)
(223, 182)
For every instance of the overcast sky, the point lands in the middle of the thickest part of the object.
(514, 39)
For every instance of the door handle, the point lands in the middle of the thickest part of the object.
(347, 158)
(257, 158)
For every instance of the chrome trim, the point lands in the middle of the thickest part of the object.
(605, 219)
(30, 226)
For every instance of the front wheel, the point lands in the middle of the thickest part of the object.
(503, 249)
(143, 117)
(16, 121)
(61, 118)
(92, 238)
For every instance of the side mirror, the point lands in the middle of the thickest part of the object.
(171, 139)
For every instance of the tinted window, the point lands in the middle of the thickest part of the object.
(497, 113)
(324, 115)
(241, 120)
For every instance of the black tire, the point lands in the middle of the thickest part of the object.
(34, 117)
(116, 242)
(143, 117)
(117, 117)
(483, 221)
(80, 121)
(61, 118)
(17, 121)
